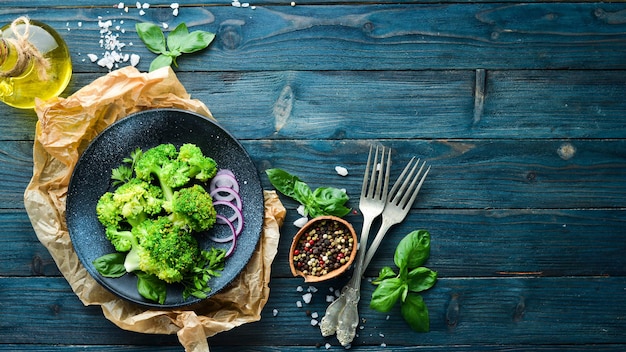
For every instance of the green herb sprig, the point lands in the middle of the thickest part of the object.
(411, 253)
(178, 42)
(322, 201)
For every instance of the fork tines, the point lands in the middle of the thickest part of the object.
(399, 195)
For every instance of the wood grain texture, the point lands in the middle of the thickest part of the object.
(366, 37)
(515, 311)
(519, 107)
(401, 104)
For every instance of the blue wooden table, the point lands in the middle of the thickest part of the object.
(519, 107)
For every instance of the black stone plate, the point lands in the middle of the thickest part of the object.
(91, 179)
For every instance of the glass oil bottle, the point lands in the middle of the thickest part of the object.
(34, 63)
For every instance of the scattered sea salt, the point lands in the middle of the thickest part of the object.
(314, 315)
(299, 304)
(327, 345)
(134, 59)
(342, 171)
(329, 298)
(312, 289)
(307, 297)
(299, 289)
(383, 345)
(300, 210)
(314, 322)
(92, 57)
(301, 221)
(275, 312)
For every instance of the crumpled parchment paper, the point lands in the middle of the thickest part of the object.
(64, 129)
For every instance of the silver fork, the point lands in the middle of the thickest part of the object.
(399, 201)
(342, 315)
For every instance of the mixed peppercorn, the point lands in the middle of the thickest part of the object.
(325, 247)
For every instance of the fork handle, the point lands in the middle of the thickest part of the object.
(384, 227)
(360, 257)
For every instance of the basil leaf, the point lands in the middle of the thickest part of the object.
(331, 201)
(160, 61)
(111, 265)
(385, 273)
(177, 37)
(386, 294)
(196, 41)
(152, 36)
(415, 313)
(151, 287)
(303, 194)
(283, 181)
(413, 250)
(421, 279)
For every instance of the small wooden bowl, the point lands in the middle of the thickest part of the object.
(304, 231)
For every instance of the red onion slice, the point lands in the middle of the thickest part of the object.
(223, 220)
(236, 217)
(231, 194)
(224, 179)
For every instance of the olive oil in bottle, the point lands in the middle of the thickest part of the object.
(34, 63)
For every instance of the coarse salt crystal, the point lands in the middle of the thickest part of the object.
(301, 221)
(314, 315)
(174, 5)
(329, 298)
(165, 25)
(300, 210)
(145, 5)
(299, 289)
(275, 312)
(175, 12)
(327, 345)
(92, 57)
(142, 12)
(314, 322)
(342, 171)
(381, 334)
(307, 297)
(312, 289)
(134, 59)
(383, 345)
(120, 5)
(299, 304)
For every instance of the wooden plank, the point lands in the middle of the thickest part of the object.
(369, 37)
(403, 104)
(471, 348)
(485, 173)
(16, 158)
(472, 311)
(499, 243)
(184, 5)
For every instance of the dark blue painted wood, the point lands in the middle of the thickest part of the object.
(519, 107)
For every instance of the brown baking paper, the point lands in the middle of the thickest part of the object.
(64, 129)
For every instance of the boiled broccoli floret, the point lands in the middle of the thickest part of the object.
(199, 166)
(122, 240)
(192, 208)
(133, 201)
(161, 161)
(162, 249)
